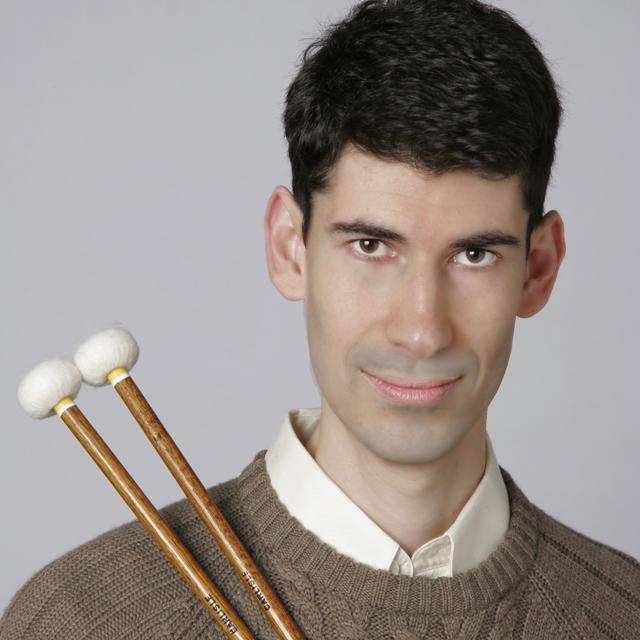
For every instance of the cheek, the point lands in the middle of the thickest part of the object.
(325, 324)
(339, 312)
(338, 307)
(486, 303)
(485, 323)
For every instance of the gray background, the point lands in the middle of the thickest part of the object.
(140, 143)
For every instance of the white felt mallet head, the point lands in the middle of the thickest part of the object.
(106, 352)
(43, 389)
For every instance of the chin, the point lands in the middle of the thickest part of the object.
(412, 449)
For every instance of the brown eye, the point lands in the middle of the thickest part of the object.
(475, 255)
(368, 245)
(366, 248)
(476, 258)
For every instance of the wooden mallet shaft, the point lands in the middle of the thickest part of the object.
(220, 610)
(212, 517)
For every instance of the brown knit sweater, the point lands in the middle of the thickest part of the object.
(545, 581)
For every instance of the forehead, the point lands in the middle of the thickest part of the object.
(363, 185)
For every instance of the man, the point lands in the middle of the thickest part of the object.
(421, 137)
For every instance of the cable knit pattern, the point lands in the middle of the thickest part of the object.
(544, 581)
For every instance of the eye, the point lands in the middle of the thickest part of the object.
(477, 257)
(369, 245)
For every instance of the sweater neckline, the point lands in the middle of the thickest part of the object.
(292, 547)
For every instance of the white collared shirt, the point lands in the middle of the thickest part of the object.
(324, 509)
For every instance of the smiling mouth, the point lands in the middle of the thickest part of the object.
(408, 395)
(413, 385)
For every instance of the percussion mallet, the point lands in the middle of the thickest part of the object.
(51, 387)
(108, 356)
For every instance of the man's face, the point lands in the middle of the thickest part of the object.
(412, 311)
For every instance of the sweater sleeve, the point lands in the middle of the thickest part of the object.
(42, 608)
(49, 605)
(114, 586)
(588, 587)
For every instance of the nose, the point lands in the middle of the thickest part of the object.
(419, 317)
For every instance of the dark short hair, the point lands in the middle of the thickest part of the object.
(438, 84)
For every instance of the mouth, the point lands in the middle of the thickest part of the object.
(409, 393)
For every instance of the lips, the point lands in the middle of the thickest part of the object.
(430, 384)
(409, 395)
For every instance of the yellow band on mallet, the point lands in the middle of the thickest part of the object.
(117, 375)
(63, 405)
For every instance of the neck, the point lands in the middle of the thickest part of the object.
(412, 503)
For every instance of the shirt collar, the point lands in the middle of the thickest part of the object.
(324, 509)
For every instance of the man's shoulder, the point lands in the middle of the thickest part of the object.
(116, 582)
(569, 546)
(597, 581)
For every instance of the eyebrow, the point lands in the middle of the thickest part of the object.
(493, 237)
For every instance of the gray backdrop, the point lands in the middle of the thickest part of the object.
(140, 142)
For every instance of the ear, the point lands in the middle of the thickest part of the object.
(546, 252)
(283, 244)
